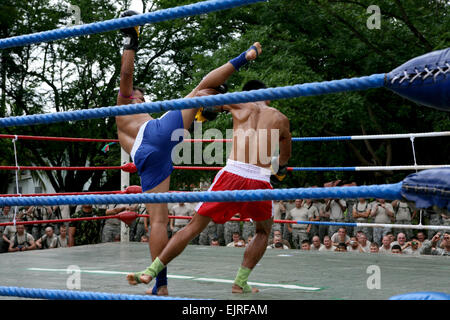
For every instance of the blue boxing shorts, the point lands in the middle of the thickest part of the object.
(152, 149)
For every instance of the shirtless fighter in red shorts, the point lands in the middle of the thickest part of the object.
(247, 168)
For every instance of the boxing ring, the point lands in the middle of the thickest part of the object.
(283, 275)
(205, 272)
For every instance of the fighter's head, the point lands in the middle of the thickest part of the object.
(206, 92)
(223, 88)
(255, 85)
(210, 113)
(138, 95)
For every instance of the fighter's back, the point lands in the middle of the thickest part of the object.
(257, 131)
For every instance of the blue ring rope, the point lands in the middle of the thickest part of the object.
(384, 191)
(38, 293)
(116, 24)
(299, 90)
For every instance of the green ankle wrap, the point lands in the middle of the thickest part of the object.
(241, 279)
(155, 268)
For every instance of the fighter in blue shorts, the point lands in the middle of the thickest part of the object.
(149, 141)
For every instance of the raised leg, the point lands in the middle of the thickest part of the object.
(182, 238)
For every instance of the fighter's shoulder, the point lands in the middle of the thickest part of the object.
(277, 114)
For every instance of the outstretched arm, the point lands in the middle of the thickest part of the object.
(218, 76)
(126, 77)
(130, 46)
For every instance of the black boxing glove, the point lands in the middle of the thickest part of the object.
(204, 114)
(131, 35)
(279, 173)
(209, 114)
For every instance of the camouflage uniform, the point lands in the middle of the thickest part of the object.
(427, 249)
(37, 230)
(299, 230)
(209, 233)
(403, 215)
(381, 217)
(349, 214)
(4, 218)
(133, 229)
(446, 221)
(314, 208)
(111, 227)
(289, 205)
(336, 215)
(298, 235)
(435, 219)
(184, 210)
(323, 229)
(220, 229)
(192, 205)
(278, 214)
(248, 229)
(87, 232)
(361, 208)
(170, 205)
(65, 214)
(140, 226)
(229, 228)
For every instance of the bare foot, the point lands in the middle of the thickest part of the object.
(144, 278)
(236, 289)
(251, 54)
(162, 291)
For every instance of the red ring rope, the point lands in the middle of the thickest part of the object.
(67, 139)
(58, 168)
(126, 215)
(44, 138)
(128, 190)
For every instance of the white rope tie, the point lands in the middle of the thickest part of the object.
(414, 151)
(17, 176)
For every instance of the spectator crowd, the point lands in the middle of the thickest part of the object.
(299, 235)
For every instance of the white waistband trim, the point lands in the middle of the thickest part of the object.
(247, 170)
(138, 140)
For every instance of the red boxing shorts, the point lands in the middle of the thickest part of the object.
(238, 176)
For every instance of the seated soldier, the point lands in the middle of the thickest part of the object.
(21, 241)
(48, 241)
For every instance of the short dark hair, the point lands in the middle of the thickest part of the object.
(139, 88)
(422, 231)
(253, 85)
(396, 246)
(305, 241)
(342, 245)
(278, 245)
(223, 88)
(374, 244)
